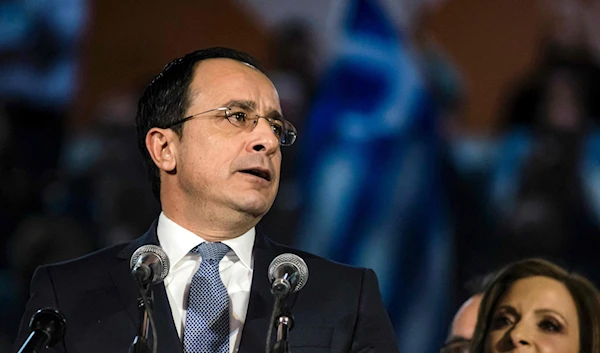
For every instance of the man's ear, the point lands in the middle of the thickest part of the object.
(161, 148)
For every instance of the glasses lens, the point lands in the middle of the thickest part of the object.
(238, 118)
(289, 134)
(283, 129)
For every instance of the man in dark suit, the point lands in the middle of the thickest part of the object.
(214, 164)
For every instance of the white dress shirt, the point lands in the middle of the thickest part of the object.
(235, 270)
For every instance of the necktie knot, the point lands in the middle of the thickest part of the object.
(212, 252)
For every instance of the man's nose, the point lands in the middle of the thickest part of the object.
(264, 139)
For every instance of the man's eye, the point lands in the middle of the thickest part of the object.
(237, 117)
(277, 127)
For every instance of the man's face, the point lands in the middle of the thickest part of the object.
(463, 326)
(220, 167)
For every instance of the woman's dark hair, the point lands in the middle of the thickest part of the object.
(167, 98)
(585, 296)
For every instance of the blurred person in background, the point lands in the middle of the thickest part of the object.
(568, 42)
(463, 324)
(39, 56)
(550, 209)
(544, 184)
(536, 306)
(214, 164)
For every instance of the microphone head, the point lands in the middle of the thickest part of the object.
(153, 256)
(294, 261)
(51, 322)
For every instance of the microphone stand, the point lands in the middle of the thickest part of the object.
(140, 342)
(283, 320)
(284, 323)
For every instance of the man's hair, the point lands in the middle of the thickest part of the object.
(583, 292)
(167, 98)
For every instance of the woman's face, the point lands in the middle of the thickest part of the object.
(536, 314)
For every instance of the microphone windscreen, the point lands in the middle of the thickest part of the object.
(153, 256)
(293, 260)
(51, 321)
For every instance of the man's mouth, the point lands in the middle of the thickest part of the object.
(259, 173)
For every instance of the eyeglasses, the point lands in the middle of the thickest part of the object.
(458, 346)
(240, 117)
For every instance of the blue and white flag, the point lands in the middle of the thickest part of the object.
(373, 195)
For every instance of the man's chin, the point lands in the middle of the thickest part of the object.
(255, 207)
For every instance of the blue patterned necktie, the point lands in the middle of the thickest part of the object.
(207, 319)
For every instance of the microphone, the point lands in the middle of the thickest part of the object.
(47, 329)
(288, 274)
(149, 264)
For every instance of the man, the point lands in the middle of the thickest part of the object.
(463, 326)
(210, 129)
(465, 319)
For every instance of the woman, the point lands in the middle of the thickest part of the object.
(535, 306)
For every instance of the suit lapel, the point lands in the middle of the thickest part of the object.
(260, 305)
(168, 339)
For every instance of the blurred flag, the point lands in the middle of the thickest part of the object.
(373, 194)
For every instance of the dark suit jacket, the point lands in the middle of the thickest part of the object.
(339, 310)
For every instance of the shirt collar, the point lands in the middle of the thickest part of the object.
(177, 242)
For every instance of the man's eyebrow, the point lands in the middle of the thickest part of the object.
(274, 114)
(251, 105)
(244, 104)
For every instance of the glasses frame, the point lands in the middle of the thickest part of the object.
(288, 128)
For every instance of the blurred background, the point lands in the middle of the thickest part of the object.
(438, 139)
